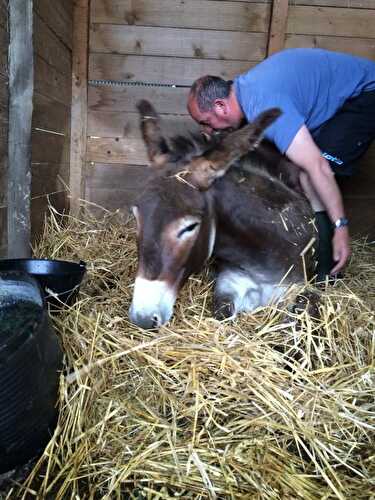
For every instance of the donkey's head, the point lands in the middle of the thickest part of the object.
(175, 213)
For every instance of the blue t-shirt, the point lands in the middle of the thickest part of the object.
(308, 85)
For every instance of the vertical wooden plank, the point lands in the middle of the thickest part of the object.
(21, 87)
(279, 18)
(4, 126)
(79, 102)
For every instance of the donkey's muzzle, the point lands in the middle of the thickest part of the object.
(145, 322)
(152, 304)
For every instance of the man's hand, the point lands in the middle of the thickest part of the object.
(341, 248)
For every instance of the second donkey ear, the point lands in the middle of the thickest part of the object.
(205, 169)
(157, 147)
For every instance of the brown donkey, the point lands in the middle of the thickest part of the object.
(252, 218)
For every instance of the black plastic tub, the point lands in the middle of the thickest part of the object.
(59, 279)
(30, 361)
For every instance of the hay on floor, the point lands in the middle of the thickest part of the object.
(274, 405)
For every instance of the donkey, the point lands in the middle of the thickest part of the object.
(235, 198)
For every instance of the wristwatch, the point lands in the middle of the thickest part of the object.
(341, 222)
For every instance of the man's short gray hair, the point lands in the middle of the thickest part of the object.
(207, 89)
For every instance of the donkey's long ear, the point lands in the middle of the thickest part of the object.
(208, 167)
(157, 147)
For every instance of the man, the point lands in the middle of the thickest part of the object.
(328, 122)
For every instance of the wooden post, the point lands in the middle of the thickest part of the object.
(21, 89)
(279, 19)
(79, 103)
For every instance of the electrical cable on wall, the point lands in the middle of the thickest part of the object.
(114, 83)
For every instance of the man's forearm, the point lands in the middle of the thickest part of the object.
(324, 183)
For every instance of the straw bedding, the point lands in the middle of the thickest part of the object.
(274, 405)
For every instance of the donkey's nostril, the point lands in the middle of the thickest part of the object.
(155, 321)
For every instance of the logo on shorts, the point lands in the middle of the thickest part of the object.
(329, 157)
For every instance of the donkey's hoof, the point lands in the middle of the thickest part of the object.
(224, 310)
(308, 301)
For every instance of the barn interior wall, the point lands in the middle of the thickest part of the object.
(173, 43)
(165, 45)
(4, 37)
(157, 42)
(53, 30)
(50, 141)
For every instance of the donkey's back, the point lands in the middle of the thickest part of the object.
(265, 236)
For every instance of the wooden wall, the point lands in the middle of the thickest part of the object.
(174, 42)
(4, 37)
(52, 31)
(165, 42)
(340, 25)
(53, 27)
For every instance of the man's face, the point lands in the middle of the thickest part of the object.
(219, 118)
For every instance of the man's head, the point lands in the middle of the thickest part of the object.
(213, 104)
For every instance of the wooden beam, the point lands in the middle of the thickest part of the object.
(156, 41)
(21, 89)
(79, 102)
(331, 21)
(279, 18)
(202, 15)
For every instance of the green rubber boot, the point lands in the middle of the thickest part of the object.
(324, 258)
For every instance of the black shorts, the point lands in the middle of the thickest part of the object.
(347, 135)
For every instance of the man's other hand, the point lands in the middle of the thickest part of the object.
(341, 249)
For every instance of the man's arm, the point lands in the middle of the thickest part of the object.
(304, 152)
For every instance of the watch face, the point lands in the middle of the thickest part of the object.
(341, 222)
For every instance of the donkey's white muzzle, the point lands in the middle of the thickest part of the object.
(152, 304)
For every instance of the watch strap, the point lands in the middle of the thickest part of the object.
(341, 222)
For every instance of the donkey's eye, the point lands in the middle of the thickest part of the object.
(187, 229)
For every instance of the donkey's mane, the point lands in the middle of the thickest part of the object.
(266, 160)
(184, 148)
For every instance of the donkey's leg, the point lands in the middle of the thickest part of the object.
(227, 294)
(239, 291)
(262, 294)
(231, 291)
(224, 306)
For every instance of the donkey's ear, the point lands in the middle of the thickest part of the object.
(205, 169)
(157, 147)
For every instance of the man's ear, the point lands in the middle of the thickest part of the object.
(220, 107)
